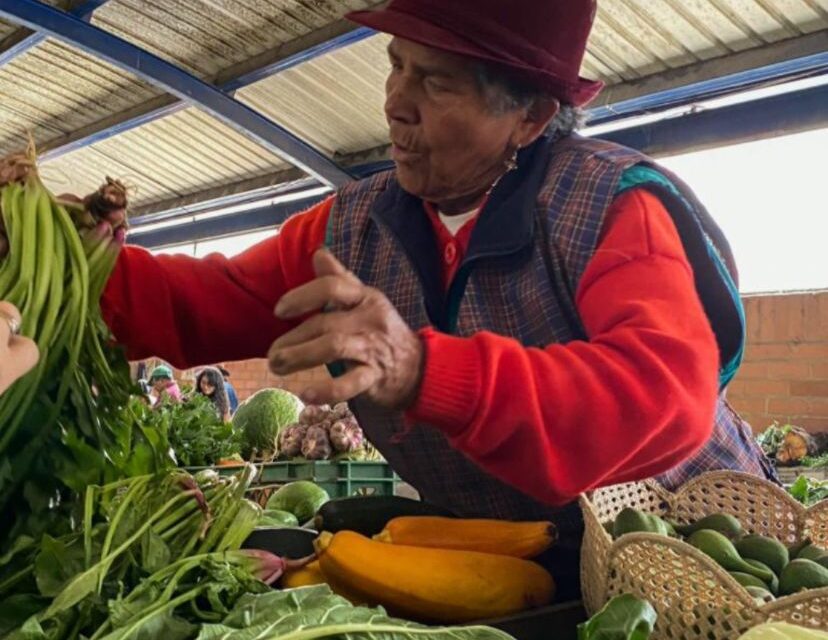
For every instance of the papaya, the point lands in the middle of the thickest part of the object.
(794, 549)
(516, 539)
(715, 545)
(432, 585)
(608, 527)
(631, 520)
(811, 552)
(747, 580)
(724, 523)
(773, 585)
(766, 550)
(802, 574)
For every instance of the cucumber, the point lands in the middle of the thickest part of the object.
(368, 515)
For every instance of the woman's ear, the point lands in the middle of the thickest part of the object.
(535, 121)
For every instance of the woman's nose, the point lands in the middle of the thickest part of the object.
(400, 104)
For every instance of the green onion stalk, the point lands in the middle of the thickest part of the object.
(67, 423)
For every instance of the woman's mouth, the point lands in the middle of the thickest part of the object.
(400, 153)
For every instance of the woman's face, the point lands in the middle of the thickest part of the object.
(206, 387)
(446, 143)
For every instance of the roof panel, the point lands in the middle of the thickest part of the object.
(175, 156)
(334, 102)
(55, 89)
(206, 36)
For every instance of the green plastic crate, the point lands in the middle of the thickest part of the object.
(340, 479)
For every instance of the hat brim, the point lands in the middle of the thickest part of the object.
(410, 27)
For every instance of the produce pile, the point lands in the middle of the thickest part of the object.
(409, 558)
(274, 424)
(789, 445)
(765, 567)
(809, 491)
(69, 422)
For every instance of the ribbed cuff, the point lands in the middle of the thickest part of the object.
(450, 387)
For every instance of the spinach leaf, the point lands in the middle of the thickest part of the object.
(315, 612)
(625, 617)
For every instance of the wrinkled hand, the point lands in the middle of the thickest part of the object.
(383, 356)
(116, 220)
(17, 354)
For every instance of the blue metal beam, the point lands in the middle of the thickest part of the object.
(124, 55)
(268, 217)
(778, 115)
(810, 65)
(230, 86)
(83, 11)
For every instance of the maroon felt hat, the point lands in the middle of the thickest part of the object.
(541, 40)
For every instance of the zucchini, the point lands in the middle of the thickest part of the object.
(368, 515)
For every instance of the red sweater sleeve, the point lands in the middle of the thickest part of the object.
(633, 401)
(196, 311)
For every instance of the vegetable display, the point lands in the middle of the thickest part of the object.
(198, 436)
(260, 419)
(69, 422)
(789, 445)
(763, 565)
(321, 432)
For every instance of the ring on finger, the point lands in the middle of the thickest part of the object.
(14, 323)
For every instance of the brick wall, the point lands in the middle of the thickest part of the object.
(785, 372)
(784, 376)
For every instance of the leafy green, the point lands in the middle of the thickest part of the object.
(315, 612)
(197, 434)
(809, 491)
(815, 461)
(625, 617)
(772, 437)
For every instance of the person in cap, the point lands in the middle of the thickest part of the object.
(163, 385)
(516, 314)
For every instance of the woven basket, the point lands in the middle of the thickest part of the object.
(694, 597)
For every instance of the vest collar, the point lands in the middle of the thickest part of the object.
(505, 226)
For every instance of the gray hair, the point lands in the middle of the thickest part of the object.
(505, 92)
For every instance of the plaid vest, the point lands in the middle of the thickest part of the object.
(529, 248)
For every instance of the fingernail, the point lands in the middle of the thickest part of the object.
(279, 310)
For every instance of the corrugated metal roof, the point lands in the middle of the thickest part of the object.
(333, 102)
(206, 36)
(173, 156)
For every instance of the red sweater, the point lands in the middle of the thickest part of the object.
(633, 401)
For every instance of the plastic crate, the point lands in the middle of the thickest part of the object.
(340, 479)
(789, 474)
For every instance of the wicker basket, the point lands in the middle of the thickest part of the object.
(696, 598)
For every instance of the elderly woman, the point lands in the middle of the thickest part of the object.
(520, 314)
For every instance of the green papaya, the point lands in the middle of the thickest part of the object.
(631, 520)
(760, 594)
(773, 585)
(724, 523)
(715, 545)
(609, 527)
(802, 574)
(823, 561)
(766, 550)
(811, 552)
(747, 580)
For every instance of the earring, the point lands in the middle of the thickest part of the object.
(512, 162)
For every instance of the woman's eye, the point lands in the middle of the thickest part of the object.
(436, 86)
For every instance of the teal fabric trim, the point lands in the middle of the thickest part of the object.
(639, 175)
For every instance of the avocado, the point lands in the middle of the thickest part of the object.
(766, 550)
(802, 574)
(631, 520)
(724, 523)
(715, 545)
(747, 580)
(811, 552)
(773, 584)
